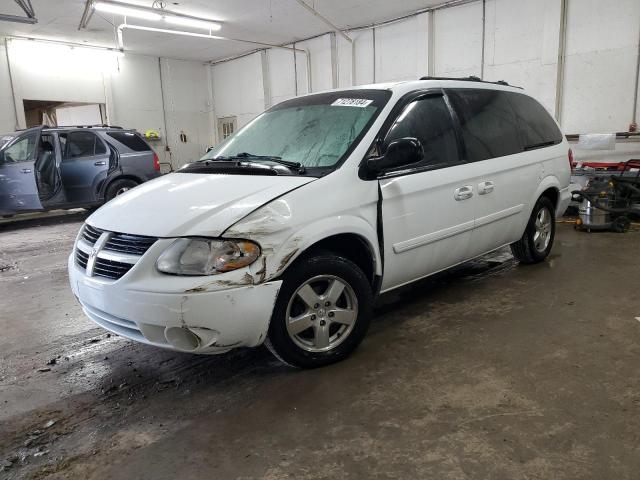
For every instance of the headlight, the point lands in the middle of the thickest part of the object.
(203, 256)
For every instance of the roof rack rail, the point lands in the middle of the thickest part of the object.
(471, 78)
(104, 125)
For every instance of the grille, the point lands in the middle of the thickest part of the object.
(115, 256)
(81, 258)
(91, 234)
(110, 268)
(125, 243)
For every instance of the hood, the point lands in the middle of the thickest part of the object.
(186, 204)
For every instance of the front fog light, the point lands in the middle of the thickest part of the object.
(203, 256)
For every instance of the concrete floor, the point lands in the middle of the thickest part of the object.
(492, 371)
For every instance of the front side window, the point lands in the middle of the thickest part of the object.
(22, 150)
(81, 144)
(427, 119)
(315, 131)
(488, 123)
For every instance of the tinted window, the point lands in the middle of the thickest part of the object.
(429, 121)
(131, 140)
(81, 144)
(537, 128)
(489, 125)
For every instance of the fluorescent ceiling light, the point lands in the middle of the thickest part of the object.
(191, 22)
(127, 11)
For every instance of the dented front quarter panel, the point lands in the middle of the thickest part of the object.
(289, 225)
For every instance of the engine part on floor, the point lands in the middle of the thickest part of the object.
(608, 203)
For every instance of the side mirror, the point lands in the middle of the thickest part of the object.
(400, 153)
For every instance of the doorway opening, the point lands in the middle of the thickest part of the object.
(62, 114)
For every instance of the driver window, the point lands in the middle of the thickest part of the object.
(427, 119)
(23, 150)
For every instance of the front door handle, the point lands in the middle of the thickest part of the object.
(485, 187)
(26, 170)
(101, 163)
(463, 193)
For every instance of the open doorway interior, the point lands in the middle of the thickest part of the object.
(60, 114)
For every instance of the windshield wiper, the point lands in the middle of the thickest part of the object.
(250, 156)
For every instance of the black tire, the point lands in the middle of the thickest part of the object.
(525, 249)
(118, 186)
(314, 266)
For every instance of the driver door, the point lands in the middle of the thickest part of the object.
(427, 210)
(18, 187)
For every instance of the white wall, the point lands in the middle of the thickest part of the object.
(521, 43)
(130, 86)
(602, 48)
(238, 89)
(7, 112)
(458, 41)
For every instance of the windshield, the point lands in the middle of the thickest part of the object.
(316, 131)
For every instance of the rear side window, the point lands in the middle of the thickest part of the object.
(428, 120)
(131, 140)
(488, 123)
(81, 144)
(537, 128)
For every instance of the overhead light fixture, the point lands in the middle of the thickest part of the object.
(146, 13)
(126, 11)
(190, 22)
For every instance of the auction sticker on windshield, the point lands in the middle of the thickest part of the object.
(352, 102)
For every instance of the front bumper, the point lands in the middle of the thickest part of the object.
(168, 315)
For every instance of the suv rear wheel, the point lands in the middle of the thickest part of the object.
(537, 240)
(118, 187)
(322, 312)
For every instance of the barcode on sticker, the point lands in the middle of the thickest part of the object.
(352, 102)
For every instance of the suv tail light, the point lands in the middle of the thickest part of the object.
(156, 162)
(570, 156)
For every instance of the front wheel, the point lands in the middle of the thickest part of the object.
(322, 312)
(537, 240)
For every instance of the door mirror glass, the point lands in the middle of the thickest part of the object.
(400, 153)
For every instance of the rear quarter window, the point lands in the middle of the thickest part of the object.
(488, 123)
(537, 128)
(130, 140)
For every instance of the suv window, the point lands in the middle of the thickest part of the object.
(427, 119)
(537, 128)
(488, 123)
(81, 144)
(131, 140)
(22, 150)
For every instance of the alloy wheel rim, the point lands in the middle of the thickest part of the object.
(542, 234)
(120, 191)
(321, 313)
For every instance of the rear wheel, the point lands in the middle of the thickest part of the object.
(537, 240)
(118, 187)
(322, 312)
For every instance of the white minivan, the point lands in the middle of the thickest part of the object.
(286, 232)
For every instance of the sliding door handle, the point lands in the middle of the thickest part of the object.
(25, 170)
(485, 187)
(463, 193)
(100, 163)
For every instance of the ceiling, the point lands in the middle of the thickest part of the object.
(269, 21)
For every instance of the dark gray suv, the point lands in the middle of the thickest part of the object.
(45, 168)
